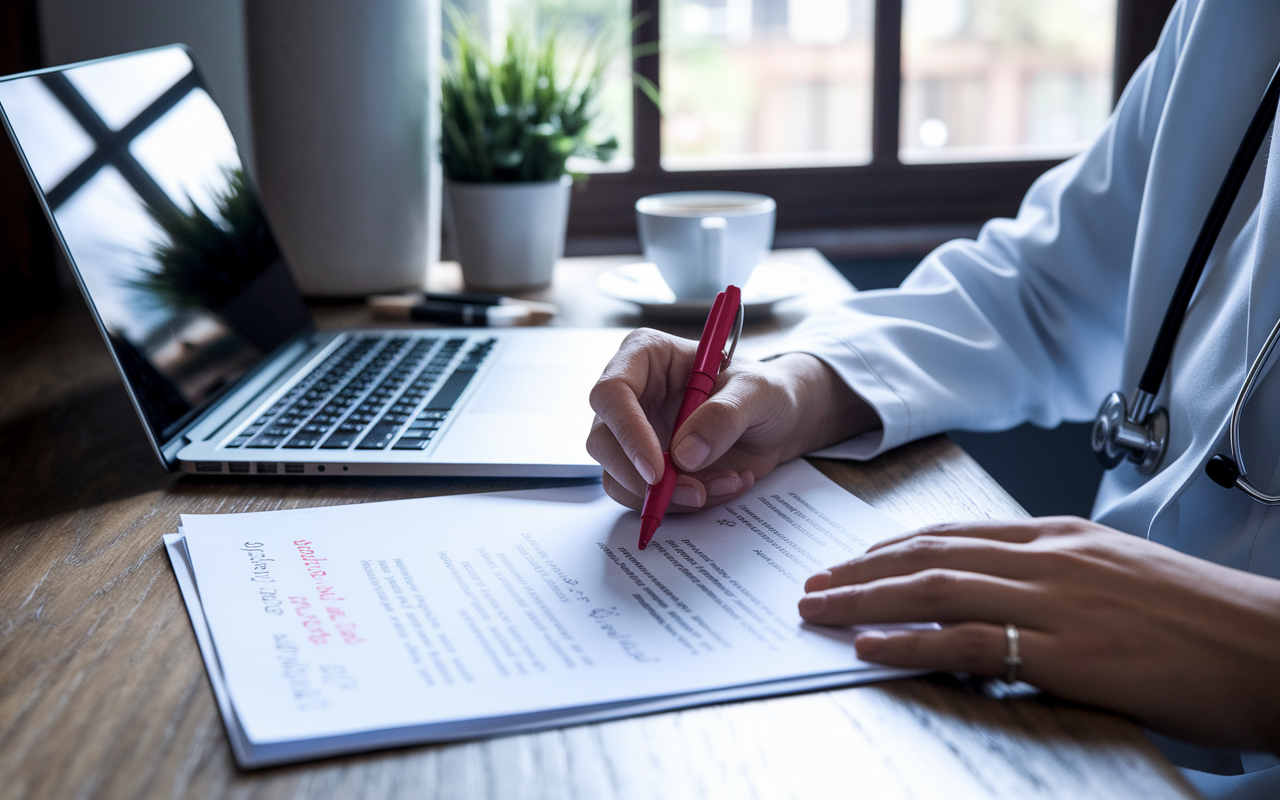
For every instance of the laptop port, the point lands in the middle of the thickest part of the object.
(208, 466)
(237, 466)
(295, 469)
(267, 467)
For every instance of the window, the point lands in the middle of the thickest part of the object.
(986, 80)
(578, 25)
(766, 83)
(851, 113)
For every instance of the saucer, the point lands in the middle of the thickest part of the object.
(642, 284)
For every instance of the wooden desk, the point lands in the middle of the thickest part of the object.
(103, 693)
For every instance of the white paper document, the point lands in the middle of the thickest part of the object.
(337, 629)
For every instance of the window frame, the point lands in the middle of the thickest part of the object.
(884, 192)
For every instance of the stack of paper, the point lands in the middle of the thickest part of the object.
(337, 629)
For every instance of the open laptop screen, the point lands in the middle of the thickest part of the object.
(143, 180)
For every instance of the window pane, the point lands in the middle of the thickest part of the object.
(766, 83)
(1004, 79)
(165, 148)
(119, 90)
(576, 23)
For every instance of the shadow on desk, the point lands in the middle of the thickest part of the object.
(105, 694)
(85, 449)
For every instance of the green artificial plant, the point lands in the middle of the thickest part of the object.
(516, 117)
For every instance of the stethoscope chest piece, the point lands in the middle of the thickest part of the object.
(1142, 436)
(1142, 433)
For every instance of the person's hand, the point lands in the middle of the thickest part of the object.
(1187, 647)
(760, 414)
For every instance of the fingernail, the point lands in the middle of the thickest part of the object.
(692, 451)
(645, 469)
(686, 495)
(811, 605)
(725, 484)
(869, 643)
(818, 581)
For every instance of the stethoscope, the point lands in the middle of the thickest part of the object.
(1141, 433)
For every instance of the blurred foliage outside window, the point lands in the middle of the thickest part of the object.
(766, 83)
(788, 83)
(986, 80)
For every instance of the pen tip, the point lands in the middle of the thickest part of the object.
(648, 527)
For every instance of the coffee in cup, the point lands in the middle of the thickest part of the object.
(702, 242)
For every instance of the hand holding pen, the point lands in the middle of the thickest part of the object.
(759, 414)
(714, 354)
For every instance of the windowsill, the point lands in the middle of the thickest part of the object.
(969, 155)
(747, 161)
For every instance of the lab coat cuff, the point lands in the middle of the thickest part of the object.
(857, 373)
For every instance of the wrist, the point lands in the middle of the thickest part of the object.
(824, 410)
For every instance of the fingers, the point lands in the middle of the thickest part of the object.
(1013, 531)
(974, 647)
(604, 447)
(640, 391)
(1021, 550)
(691, 493)
(724, 486)
(934, 595)
(922, 552)
(743, 400)
(622, 438)
(634, 390)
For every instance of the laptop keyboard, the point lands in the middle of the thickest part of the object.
(369, 394)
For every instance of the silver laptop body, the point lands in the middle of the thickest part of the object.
(144, 187)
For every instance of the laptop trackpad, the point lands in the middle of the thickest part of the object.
(520, 389)
(524, 414)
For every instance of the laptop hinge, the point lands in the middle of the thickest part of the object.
(247, 390)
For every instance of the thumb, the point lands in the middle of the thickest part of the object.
(714, 427)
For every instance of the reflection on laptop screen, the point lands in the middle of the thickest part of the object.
(141, 174)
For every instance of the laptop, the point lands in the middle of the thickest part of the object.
(141, 179)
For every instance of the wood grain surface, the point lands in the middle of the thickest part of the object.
(103, 693)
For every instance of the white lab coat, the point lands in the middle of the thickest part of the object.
(1044, 315)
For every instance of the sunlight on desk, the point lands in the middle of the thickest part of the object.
(106, 696)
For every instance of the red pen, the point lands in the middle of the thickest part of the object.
(712, 358)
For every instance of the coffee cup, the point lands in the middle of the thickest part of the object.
(702, 242)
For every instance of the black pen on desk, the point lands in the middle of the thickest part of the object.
(506, 315)
(474, 298)
(487, 299)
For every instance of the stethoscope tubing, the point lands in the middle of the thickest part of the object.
(1237, 408)
(1143, 433)
(1246, 153)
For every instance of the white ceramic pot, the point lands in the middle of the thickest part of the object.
(508, 235)
(340, 94)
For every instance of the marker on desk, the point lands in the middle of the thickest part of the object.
(711, 359)
(475, 298)
(448, 312)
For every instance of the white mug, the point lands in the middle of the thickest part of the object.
(702, 242)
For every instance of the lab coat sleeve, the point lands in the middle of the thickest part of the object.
(1027, 322)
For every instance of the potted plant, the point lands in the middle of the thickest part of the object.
(510, 122)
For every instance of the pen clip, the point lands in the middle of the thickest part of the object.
(733, 342)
